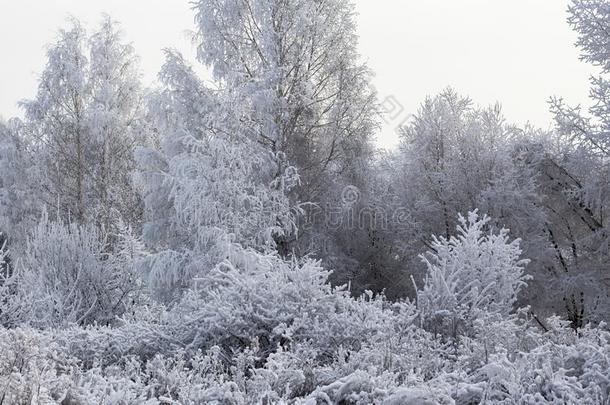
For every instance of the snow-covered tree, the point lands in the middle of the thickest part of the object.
(591, 20)
(456, 157)
(292, 71)
(450, 151)
(83, 125)
(10, 157)
(576, 171)
(206, 186)
(17, 204)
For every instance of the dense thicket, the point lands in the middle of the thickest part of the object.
(242, 241)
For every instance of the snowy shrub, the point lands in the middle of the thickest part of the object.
(570, 372)
(493, 334)
(32, 369)
(474, 275)
(67, 275)
(397, 366)
(35, 369)
(279, 303)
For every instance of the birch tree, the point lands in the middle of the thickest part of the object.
(83, 125)
(293, 66)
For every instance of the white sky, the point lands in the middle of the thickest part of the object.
(518, 52)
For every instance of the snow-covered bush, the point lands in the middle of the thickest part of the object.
(507, 361)
(280, 304)
(476, 274)
(67, 275)
(564, 367)
(32, 368)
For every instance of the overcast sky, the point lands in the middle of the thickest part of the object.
(517, 52)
